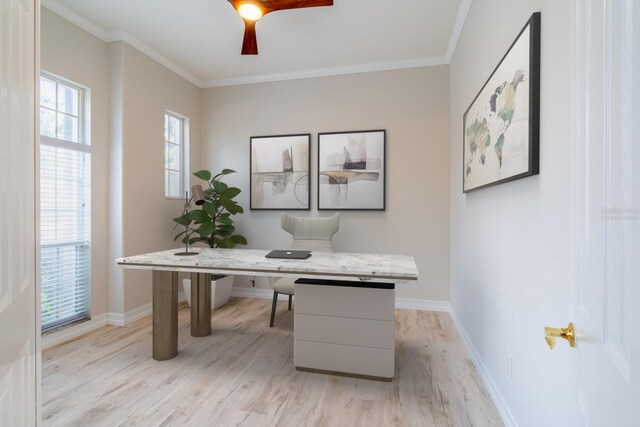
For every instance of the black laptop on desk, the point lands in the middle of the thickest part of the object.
(288, 254)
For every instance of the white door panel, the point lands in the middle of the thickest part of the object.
(607, 305)
(18, 331)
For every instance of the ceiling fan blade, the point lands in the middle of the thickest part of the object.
(273, 5)
(249, 42)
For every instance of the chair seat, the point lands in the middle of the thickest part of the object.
(309, 234)
(284, 285)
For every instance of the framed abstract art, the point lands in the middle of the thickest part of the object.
(351, 170)
(279, 170)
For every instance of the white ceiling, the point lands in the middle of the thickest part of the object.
(201, 39)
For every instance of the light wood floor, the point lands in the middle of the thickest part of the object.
(243, 374)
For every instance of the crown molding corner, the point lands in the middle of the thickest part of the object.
(71, 16)
(463, 11)
(119, 35)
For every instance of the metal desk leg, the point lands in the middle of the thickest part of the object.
(200, 304)
(165, 314)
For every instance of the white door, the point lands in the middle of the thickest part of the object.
(606, 310)
(18, 303)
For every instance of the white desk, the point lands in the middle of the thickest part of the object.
(345, 303)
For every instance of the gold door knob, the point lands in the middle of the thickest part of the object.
(568, 333)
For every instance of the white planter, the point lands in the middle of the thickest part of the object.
(220, 290)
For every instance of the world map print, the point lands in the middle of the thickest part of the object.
(497, 124)
(502, 106)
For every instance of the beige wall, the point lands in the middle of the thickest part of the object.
(412, 105)
(148, 90)
(69, 52)
(129, 94)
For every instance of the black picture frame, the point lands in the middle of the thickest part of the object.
(283, 178)
(473, 132)
(380, 188)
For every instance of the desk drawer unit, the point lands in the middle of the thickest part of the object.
(348, 328)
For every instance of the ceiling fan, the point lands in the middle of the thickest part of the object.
(252, 10)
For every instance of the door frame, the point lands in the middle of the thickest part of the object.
(36, 180)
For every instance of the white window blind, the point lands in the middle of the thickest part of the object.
(65, 205)
(174, 165)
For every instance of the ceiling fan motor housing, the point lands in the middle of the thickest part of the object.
(250, 41)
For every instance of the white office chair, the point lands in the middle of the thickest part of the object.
(309, 234)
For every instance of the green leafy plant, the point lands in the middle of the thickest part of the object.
(212, 224)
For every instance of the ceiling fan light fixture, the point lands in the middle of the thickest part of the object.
(250, 12)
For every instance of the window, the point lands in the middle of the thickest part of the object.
(175, 137)
(65, 204)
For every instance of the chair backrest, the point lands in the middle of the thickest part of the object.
(311, 234)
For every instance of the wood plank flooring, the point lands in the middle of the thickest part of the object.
(243, 375)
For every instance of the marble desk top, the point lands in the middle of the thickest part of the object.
(331, 265)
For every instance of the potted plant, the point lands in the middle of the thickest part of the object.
(212, 225)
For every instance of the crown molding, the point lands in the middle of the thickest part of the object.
(463, 11)
(76, 19)
(121, 35)
(325, 72)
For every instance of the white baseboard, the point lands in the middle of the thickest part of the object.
(123, 319)
(120, 319)
(423, 304)
(138, 313)
(115, 319)
(410, 303)
(74, 331)
(491, 386)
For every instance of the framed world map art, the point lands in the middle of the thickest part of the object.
(502, 125)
